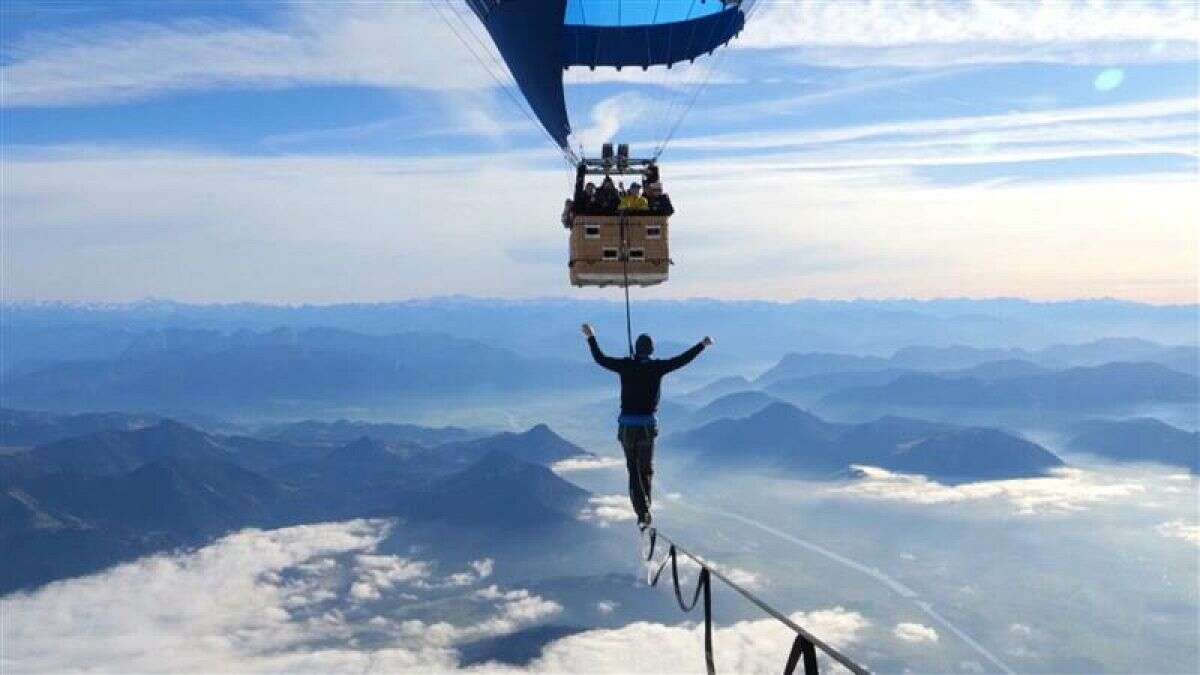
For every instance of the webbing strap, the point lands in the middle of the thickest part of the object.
(802, 647)
(703, 585)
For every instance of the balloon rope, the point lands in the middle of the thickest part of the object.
(625, 268)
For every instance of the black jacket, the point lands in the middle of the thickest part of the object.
(641, 378)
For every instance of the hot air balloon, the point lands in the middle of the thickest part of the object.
(541, 39)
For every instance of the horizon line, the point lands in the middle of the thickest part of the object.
(455, 297)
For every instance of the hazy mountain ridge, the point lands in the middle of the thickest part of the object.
(987, 363)
(784, 438)
(212, 370)
(1111, 384)
(1139, 440)
(343, 431)
(80, 504)
(19, 428)
(753, 330)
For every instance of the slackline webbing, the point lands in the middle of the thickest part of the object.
(804, 648)
(625, 268)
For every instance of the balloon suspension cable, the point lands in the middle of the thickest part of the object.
(696, 90)
(509, 88)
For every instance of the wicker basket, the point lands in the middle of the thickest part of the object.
(599, 258)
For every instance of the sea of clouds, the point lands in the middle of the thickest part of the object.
(324, 598)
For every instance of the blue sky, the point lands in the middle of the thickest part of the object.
(322, 152)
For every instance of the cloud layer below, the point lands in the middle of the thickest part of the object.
(322, 598)
(1066, 489)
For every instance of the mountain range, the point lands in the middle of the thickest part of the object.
(79, 504)
(1139, 440)
(209, 370)
(1006, 362)
(1086, 387)
(786, 439)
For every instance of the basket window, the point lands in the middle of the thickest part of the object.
(654, 232)
(591, 232)
(610, 254)
(637, 254)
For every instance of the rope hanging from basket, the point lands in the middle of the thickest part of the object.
(625, 271)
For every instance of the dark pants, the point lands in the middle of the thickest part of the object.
(638, 443)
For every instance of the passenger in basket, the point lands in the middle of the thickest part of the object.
(634, 201)
(587, 201)
(606, 197)
(660, 203)
(651, 176)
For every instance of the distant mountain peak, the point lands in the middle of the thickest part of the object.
(538, 444)
(541, 430)
(362, 450)
(499, 491)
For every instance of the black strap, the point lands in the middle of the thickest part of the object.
(706, 582)
(703, 585)
(802, 647)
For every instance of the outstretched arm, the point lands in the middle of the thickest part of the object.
(685, 358)
(604, 361)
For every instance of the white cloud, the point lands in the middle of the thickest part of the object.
(839, 212)
(609, 116)
(914, 632)
(688, 567)
(1066, 490)
(380, 573)
(587, 464)
(479, 570)
(233, 606)
(743, 647)
(1131, 124)
(742, 577)
(1180, 529)
(606, 509)
(371, 44)
(606, 606)
(1021, 630)
(930, 33)
(483, 568)
(281, 600)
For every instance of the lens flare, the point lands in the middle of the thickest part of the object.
(1109, 79)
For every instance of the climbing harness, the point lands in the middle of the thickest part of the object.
(804, 648)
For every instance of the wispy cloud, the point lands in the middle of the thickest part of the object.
(409, 45)
(606, 509)
(369, 44)
(914, 632)
(1180, 529)
(1066, 490)
(94, 222)
(1135, 125)
(588, 464)
(934, 34)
